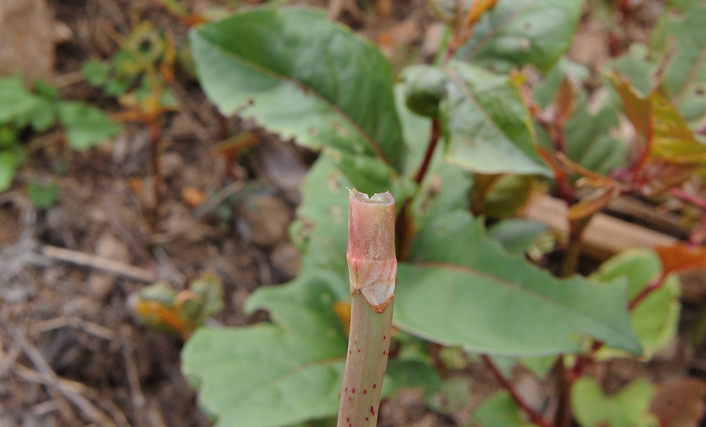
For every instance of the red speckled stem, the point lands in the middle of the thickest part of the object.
(372, 269)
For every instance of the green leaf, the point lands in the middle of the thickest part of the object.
(636, 66)
(629, 407)
(463, 289)
(591, 143)
(406, 374)
(43, 196)
(544, 92)
(209, 290)
(15, 99)
(86, 126)
(656, 318)
(516, 235)
(519, 32)
(10, 161)
(304, 77)
(488, 127)
(500, 410)
(685, 74)
(42, 116)
(265, 375)
(9, 136)
(415, 130)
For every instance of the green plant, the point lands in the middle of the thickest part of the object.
(20, 109)
(457, 143)
(161, 307)
(140, 75)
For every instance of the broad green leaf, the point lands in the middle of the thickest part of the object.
(15, 99)
(272, 374)
(488, 127)
(590, 141)
(269, 375)
(519, 32)
(10, 161)
(445, 189)
(500, 410)
(516, 235)
(265, 375)
(86, 126)
(463, 289)
(685, 74)
(303, 77)
(656, 318)
(629, 407)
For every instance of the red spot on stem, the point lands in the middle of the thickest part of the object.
(375, 386)
(346, 390)
(384, 352)
(367, 419)
(365, 391)
(372, 410)
(384, 337)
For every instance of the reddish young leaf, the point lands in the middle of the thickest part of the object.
(478, 8)
(564, 101)
(593, 203)
(681, 257)
(673, 141)
(636, 108)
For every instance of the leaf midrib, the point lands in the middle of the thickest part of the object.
(306, 89)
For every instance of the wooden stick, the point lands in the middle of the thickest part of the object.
(605, 236)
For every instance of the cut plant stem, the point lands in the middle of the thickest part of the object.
(372, 268)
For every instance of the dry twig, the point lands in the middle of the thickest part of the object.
(92, 261)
